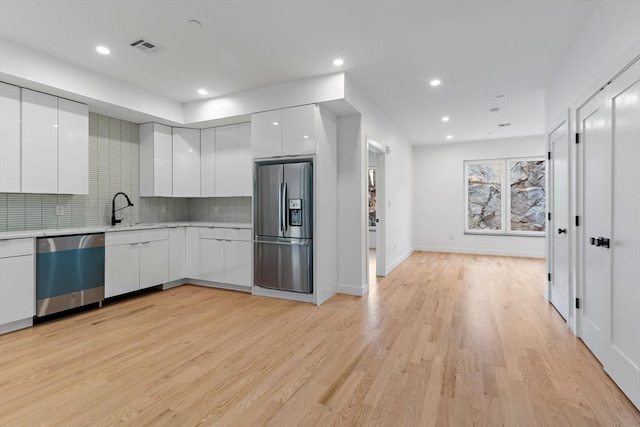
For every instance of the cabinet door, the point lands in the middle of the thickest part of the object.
(73, 147)
(266, 134)
(237, 262)
(186, 162)
(121, 269)
(226, 161)
(9, 138)
(154, 263)
(192, 252)
(212, 260)
(299, 130)
(17, 288)
(177, 250)
(39, 142)
(207, 162)
(156, 160)
(245, 161)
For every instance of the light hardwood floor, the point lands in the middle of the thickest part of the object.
(445, 340)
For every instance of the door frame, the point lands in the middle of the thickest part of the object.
(381, 152)
(550, 234)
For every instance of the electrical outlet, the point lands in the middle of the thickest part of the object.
(59, 210)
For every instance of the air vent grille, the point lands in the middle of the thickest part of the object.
(146, 46)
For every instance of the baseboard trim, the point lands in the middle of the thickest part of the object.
(16, 325)
(481, 252)
(399, 261)
(353, 290)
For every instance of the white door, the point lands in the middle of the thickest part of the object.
(624, 342)
(559, 232)
(596, 200)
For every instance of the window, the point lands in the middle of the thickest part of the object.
(493, 208)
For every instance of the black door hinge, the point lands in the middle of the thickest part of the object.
(548, 277)
(549, 155)
(549, 216)
(577, 221)
(577, 138)
(577, 302)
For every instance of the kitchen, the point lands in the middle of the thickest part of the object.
(182, 230)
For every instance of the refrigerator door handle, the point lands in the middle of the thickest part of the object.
(284, 208)
(280, 207)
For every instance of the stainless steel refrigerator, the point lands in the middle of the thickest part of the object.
(283, 249)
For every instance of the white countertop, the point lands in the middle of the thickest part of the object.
(6, 235)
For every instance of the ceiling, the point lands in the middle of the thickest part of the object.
(479, 49)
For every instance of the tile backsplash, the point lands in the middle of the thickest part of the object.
(113, 167)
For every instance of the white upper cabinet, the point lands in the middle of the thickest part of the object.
(226, 161)
(156, 160)
(73, 147)
(207, 162)
(186, 162)
(245, 161)
(288, 132)
(39, 142)
(266, 134)
(9, 138)
(299, 130)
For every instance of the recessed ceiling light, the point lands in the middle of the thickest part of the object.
(306, 136)
(449, 136)
(435, 82)
(103, 50)
(338, 62)
(202, 91)
(445, 119)
(276, 123)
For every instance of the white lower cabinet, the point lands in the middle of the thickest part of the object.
(154, 263)
(212, 260)
(225, 256)
(135, 260)
(237, 262)
(177, 248)
(192, 252)
(121, 269)
(17, 280)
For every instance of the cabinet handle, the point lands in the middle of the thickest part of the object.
(132, 244)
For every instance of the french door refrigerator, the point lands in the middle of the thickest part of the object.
(283, 249)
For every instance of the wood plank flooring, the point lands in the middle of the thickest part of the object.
(445, 340)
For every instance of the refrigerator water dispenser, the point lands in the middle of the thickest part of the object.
(295, 212)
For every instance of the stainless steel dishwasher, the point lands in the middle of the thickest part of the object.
(69, 272)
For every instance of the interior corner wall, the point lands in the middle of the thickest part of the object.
(351, 256)
(608, 42)
(398, 185)
(439, 197)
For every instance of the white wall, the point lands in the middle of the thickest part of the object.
(438, 183)
(398, 177)
(609, 40)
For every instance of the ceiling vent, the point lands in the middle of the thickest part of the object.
(146, 46)
(504, 125)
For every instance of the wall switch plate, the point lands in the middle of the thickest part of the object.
(59, 210)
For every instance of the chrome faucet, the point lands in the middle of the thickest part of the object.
(115, 221)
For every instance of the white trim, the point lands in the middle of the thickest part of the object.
(174, 284)
(15, 325)
(353, 290)
(525, 254)
(209, 284)
(292, 296)
(399, 261)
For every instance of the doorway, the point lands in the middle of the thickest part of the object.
(375, 209)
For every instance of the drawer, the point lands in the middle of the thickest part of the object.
(16, 247)
(243, 234)
(154, 235)
(212, 233)
(121, 238)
